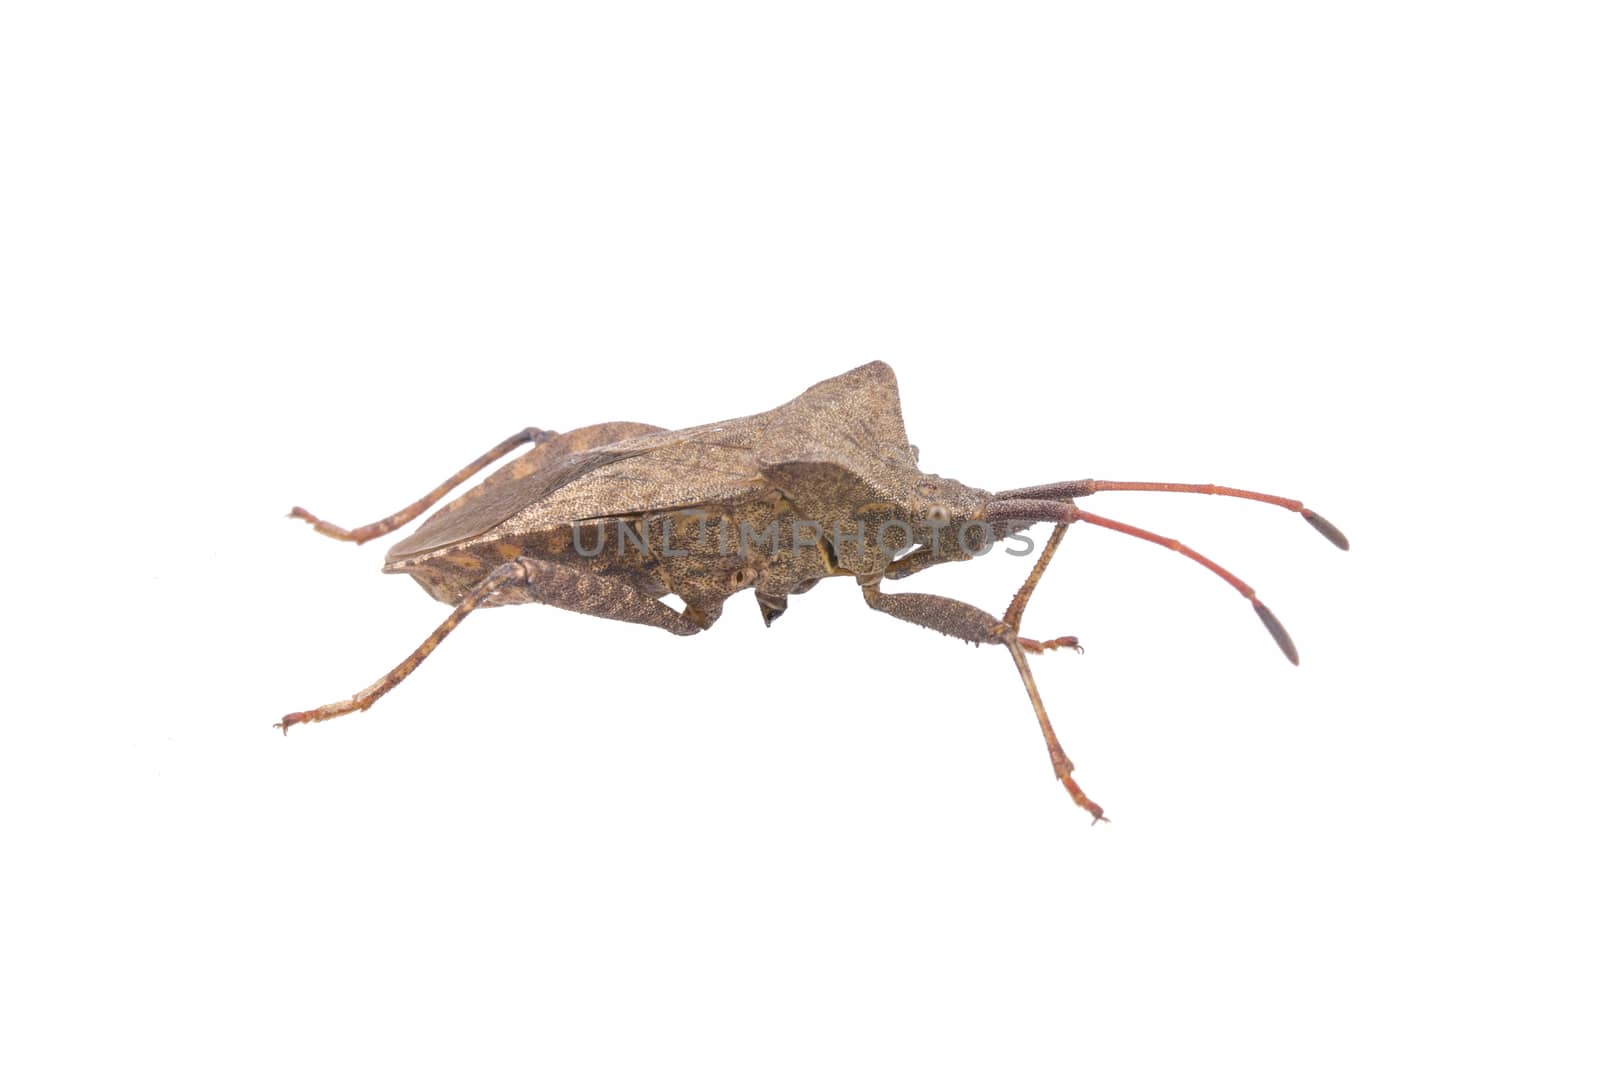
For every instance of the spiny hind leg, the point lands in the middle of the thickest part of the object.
(968, 622)
(536, 580)
(362, 534)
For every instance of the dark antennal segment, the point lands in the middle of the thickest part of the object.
(1053, 503)
(1090, 486)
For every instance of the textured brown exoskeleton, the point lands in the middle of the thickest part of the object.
(609, 519)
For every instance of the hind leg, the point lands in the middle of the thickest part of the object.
(362, 534)
(536, 580)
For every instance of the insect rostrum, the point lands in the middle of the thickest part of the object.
(609, 519)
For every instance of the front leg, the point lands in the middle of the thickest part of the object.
(956, 618)
(968, 622)
(924, 557)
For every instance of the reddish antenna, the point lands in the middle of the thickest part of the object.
(1090, 486)
(1053, 503)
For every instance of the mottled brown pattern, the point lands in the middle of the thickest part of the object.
(608, 519)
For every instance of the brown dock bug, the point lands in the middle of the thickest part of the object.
(609, 519)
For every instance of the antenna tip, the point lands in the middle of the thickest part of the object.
(1279, 634)
(1326, 528)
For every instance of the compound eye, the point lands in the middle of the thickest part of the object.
(938, 515)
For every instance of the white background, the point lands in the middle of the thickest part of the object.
(322, 254)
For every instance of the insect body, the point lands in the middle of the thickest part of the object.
(610, 519)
